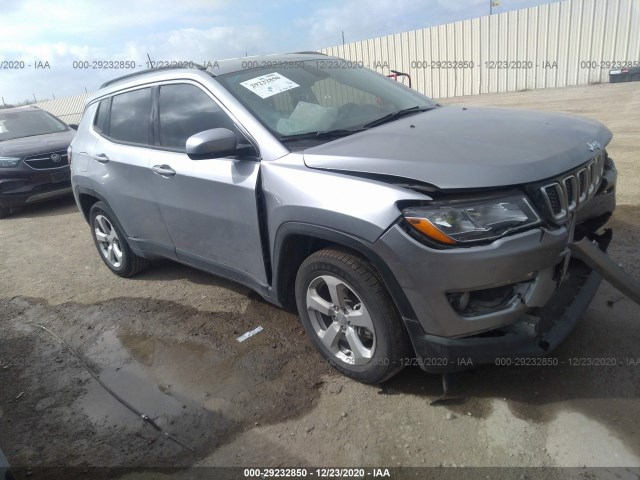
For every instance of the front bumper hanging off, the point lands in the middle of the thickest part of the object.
(588, 266)
(586, 251)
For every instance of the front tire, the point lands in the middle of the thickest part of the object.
(112, 244)
(350, 317)
(5, 212)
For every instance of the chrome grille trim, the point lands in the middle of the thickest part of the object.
(562, 197)
(43, 161)
(571, 187)
(583, 184)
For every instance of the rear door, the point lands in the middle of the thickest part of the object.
(209, 206)
(120, 168)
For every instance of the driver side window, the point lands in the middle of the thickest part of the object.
(184, 110)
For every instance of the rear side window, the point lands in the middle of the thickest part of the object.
(130, 119)
(100, 123)
(185, 110)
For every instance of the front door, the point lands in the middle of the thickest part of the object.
(209, 206)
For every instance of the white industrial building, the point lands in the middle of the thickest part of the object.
(573, 42)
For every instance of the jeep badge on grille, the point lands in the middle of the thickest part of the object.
(594, 146)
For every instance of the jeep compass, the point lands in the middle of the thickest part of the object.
(401, 231)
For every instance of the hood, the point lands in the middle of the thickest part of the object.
(466, 147)
(22, 147)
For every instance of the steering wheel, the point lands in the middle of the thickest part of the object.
(345, 110)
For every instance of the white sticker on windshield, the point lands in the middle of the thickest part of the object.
(268, 85)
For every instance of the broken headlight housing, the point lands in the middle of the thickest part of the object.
(472, 221)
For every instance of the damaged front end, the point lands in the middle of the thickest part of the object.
(520, 296)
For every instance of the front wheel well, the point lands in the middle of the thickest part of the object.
(296, 247)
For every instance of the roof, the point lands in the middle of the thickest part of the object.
(213, 68)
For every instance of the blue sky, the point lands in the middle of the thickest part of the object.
(65, 31)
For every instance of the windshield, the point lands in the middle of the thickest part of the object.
(28, 123)
(320, 96)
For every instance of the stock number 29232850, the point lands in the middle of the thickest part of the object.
(104, 64)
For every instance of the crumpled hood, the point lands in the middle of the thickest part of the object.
(466, 147)
(22, 147)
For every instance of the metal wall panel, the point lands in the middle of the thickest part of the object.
(68, 109)
(574, 42)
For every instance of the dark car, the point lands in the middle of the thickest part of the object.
(625, 74)
(34, 166)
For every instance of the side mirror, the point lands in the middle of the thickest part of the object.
(215, 143)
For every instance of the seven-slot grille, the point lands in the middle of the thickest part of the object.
(565, 195)
(48, 161)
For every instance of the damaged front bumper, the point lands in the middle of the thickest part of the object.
(516, 298)
(534, 335)
(539, 332)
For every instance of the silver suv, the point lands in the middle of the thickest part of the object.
(402, 231)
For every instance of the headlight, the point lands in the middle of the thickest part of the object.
(9, 162)
(464, 222)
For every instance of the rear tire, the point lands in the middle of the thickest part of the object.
(350, 317)
(112, 244)
(5, 212)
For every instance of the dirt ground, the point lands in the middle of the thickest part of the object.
(166, 342)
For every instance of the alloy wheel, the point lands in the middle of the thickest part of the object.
(341, 320)
(108, 241)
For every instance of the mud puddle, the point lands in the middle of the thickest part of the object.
(180, 366)
(166, 379)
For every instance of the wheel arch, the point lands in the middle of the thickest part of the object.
(294, 242)
(86, 199)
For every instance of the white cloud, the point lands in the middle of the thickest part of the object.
(198, 45)
(199, 30)
(217, 42)
(361, 19)
(34, 19)
(47, 52)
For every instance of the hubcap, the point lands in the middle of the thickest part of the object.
(108, 241)
(340, 319)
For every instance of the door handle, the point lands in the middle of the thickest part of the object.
(101, 157)
(163, 170)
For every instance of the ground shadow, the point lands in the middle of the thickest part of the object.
(53, 207)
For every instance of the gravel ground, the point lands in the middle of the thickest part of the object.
(165, 341)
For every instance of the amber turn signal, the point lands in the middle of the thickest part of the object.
(425, 226)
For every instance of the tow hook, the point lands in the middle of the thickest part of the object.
(589, 251)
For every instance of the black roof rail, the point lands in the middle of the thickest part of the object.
(310, 52)
(149, 70)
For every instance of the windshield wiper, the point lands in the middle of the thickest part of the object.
(340, 132)
(395, 115)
